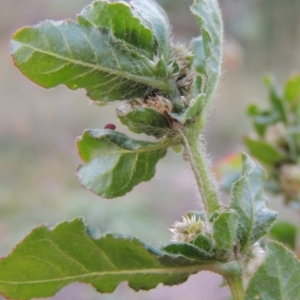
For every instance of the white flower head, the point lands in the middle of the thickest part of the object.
(187, 230)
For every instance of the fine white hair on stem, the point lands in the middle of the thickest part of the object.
(209, 162)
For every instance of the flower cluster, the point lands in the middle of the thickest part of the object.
(187, 230)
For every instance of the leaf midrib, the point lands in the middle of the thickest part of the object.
(164, 85)
(158, 271)
(122, 151)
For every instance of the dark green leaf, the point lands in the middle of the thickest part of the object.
(154, 17)
(248, 200)
(224, 232)
(208, 17)
(48, 260)
(263, 151)
(277, 278)
(144, 120)
(104, 53)
(189, 250)
(285, 233)
(115, 163)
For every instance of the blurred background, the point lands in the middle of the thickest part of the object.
(38, 129)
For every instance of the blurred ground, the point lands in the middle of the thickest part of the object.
(38, 128)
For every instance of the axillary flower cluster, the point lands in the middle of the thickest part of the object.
(187, 230)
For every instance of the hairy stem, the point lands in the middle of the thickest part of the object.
(203, 175)
(235, 283)
(232, 273)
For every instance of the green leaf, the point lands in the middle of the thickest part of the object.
(200, 58)
(263, 151)
(285, 233)
(115, 163)
(224, 232)
(154, 17)
(262, 119)
(121, 19)
(196, 106)
(144, 120)
(248, 200)
(106, 52)
(48, 260)
(207, 51)
(277, 100)
(203, 243)
(189, 250)
(208, 16)
(292, 89)
(277, 278)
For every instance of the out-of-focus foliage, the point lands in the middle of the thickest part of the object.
(276, 142)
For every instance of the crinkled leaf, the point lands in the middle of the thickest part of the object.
(224, 232)
(285, 233)
(208, 16)
(121, 19)
(154, 17)
(263, 151)
(104, 53)
(144, 120)
(277, 278)
(116, 163)
(248, 200)
(188, 250)
(48, 260)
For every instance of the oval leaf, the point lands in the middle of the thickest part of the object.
(48, 260)
(277, 278)
(99, 53)
(248, 200)
(115, 163)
